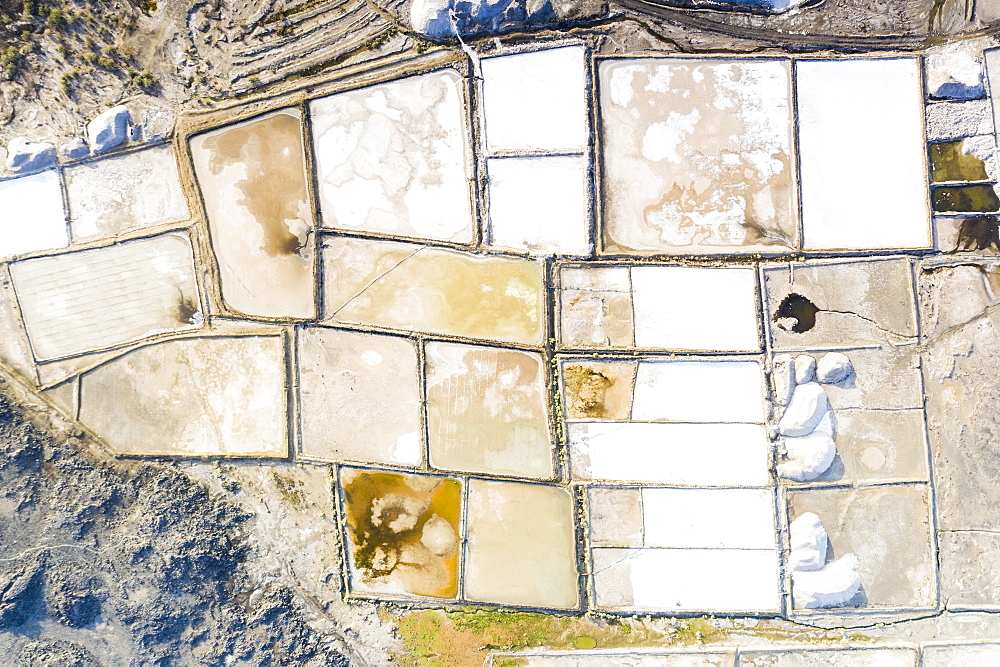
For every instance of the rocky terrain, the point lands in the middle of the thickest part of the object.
(62, 63)
(109, 562)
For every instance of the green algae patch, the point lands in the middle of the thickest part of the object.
(965, 199)
(460, 638)
(505, 661)
(950, 162)
(786, 632)
(289, 489)
(697, 631)
(465, 637)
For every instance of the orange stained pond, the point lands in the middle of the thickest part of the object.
(404, 532)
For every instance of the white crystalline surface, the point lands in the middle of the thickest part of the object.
(708, 518)
(33, 216)
(123, 193)
(536, 128)
(536, 100)
(394, 158)
(694, 308)
(847, 109)
(682, 454)
(697, 154)
(699, 391)
(539, 204)
(710, 579)
(709, 541)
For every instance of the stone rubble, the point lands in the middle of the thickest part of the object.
(156, 124)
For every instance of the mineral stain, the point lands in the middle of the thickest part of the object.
(586, 390)
(274, 187)
(798, 308)
(433, 290)
(187, 311)
(504, 431)
(979, 232)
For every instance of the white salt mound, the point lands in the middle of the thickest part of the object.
(109, 129)
(784, 378)
(834, 367)
(805, 369)
(24, 156)
(833, 586)
(805, 410)
(809, 543)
